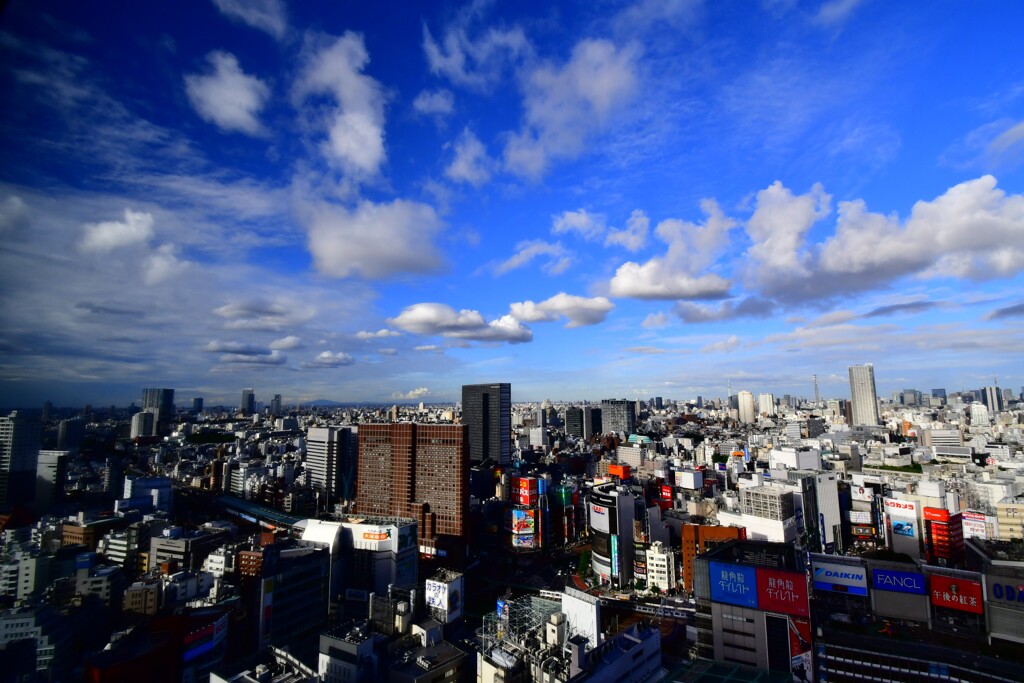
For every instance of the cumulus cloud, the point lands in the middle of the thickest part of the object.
(565, 104)
(580, 311)
(634, 237)
(692, 248)
(374, 240)
(136, 228)
(163, 264)
(589, 225)
(285, 343)
(750, 307)
(778, 228)
(226, 96)
(355, 136)
(655, 321)
(443, 320)
(434, 102)
(412, 395)
(557, 258)
(272, 358)
(265, 15)
(327, 359)
(379, 334)
(471, 163)
(475, 61)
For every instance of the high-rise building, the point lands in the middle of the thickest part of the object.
(592, 422)
(160, 402)
(331, 455)
(143, 424)
(745, 401)
(618, 415)
(863, 395)
(197, 405)
(248, 406)
(275, 405)
(419, 471)
(51, 476)
(487, 412)
(574, 421)
(71, 434)
(20, 438)
(992, 397)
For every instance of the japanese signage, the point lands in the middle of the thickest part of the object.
(839, 577)
(898, 582)
(960, 594)
(666, 492)
(936, 514)
(599, 518)
(781, 591)
(733, 584)
(900, 508)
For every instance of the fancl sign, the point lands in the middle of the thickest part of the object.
(898, 582)
(840, 578)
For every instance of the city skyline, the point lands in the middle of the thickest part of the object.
(624, 200)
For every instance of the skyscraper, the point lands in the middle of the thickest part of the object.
(20, 438)
(248, 402)
(275, 405)
(331, 461)
(419, 471)
(487, 412)
(160, 402)
(618, 415)
(574, 421)
(863, 396)
(992, 397)
(745, 401)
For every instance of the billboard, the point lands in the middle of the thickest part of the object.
(599, 515)
(898, 582)
(860, 516)
(1005, 591)
(733, 584)
(437, 594)
(782, 591)
(801, 662)
(936, 514)
(615, 555)
(974, 525)
(904, 528)
(960, 594)
(690, 479)
(862, 493)
(900, 508)
(666, 492)
(523, 541)
(522, 521)
(839, 577)
(374, 537)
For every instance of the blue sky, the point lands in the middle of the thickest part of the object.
(370, 203)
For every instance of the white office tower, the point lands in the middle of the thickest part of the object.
(979, 414)
(746, 407)
(863, 395)
(766, 404)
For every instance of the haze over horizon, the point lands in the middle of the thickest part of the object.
(354, 203)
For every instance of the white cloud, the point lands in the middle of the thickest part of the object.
(777, 229)
(162, 265)
(476, 62)
(634, 236)
(375, 240)
(655, 321)
(265, 15)
(355, 139)
(580, 311)
(443, 320)
(692, 248)
(136, 228)
(428, 348)
(589, 225)
(835, 12)
(388, 352)
(13, 214)
(471, 163)
(750, 307)
(273, 358)
(262, 314)
(379, 334)
(412, 395)
(217, 346)
(565, 105)
(285, 343)
(557, 258)
(228, 97)
(724, 346)
(434, 102)
(327, 359)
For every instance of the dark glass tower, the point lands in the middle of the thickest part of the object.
(487, 411)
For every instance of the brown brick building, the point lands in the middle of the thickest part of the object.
(698, 539)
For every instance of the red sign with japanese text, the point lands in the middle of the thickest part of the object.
(960, 594)
(782, 591)
(936, 514)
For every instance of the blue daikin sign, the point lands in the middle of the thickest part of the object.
(898, 582)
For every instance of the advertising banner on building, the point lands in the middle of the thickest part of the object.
(733, 584)
(936, 514)
(599, 515)
(975, 525)
(906, 528)
(898, 582)
(524, 541)
(436, 594)
(862, 493)
(860, 516)
(800, 649)
(839, 577)
(782, 591)
(376, 538)
(863, 531)
(1005, 591)
(960, 594)
(906, 509)
(615, 555)
(522, 521)
(666, 492)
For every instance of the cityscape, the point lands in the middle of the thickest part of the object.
(618, 342)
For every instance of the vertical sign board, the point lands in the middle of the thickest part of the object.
(959, 594)
(615, 555)
(974, 525)
(898, 582)
(782, 591)
(734, 584)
